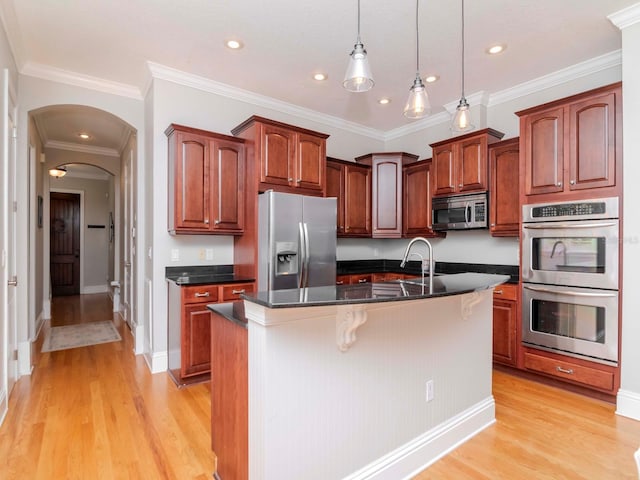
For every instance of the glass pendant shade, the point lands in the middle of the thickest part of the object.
(418, 105)
(358, 77)
(461, 121)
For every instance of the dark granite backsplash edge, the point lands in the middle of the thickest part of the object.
(185, 271)
(346, 267)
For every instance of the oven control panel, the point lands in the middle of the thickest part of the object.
(581, 210)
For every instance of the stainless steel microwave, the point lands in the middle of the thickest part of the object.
(460, 212)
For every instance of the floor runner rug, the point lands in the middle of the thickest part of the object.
(81, 335)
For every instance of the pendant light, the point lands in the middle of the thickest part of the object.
(461, 121)
(418, 104)
(358, 77)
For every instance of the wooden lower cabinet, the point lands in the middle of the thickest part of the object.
(506, 315)
(189, 320)
(229, 398)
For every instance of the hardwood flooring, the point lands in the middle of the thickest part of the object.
(97, 412)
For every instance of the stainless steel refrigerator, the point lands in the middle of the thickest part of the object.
(296, 241)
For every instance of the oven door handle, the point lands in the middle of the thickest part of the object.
(569, 292)
(557, 226)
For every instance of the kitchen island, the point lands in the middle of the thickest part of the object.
(372, 381)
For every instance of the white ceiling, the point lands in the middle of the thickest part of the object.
(286, 41)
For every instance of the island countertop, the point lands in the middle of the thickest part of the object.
(398, 290)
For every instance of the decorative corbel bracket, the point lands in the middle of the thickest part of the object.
(348, 319)
(467, 304)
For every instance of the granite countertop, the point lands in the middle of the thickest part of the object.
(398, 290)
(233, 311)
(204, 274)
(346, 267)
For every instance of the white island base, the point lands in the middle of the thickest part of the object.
(340, 391)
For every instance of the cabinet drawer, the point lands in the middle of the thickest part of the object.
(200, 294)
(570, 371)
(233, 292)
(506, 291)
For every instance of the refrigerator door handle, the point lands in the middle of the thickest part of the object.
(301, 243)
(307, 254)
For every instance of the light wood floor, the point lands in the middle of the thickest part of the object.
(97, 412)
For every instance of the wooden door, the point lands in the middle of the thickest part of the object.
(65, 243)
(357, 195)
(335, 188)
(544, 152)
(472, 164)
(278, 150)
(310, 162)
(504, 209)
(227, 189)
(192, 182)
(443, 170)
(593, 142)
(416, 193)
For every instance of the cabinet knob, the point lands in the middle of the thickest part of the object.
(290, 179)
(493, 224)
(339, 282)
(559, 184)
(237, 292)
(572, 182)
(198, 294)
(207, 221)
(216, 222)
(460, 185)
(362, 280)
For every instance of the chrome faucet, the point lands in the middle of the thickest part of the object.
(560, 243)
(430, 248)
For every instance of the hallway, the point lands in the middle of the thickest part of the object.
(97, 412)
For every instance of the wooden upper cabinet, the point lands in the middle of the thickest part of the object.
(504, 181)
(573, 146)
(460, 163)
(290, 159)
(386, 192)
(416, 198)
(351, 184)
(206, 182)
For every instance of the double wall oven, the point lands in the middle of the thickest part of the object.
(570, 262)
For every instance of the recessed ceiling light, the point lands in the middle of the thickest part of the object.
(84, 136)
(384, 101)
(431, 78)
(495, 49)
(320, 76)
(234, 44)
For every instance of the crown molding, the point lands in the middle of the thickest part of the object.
(89, 176)
(169, 74)
(75, 147)
(626, 17)
(416, 126)
(588, 67)
(54, 74)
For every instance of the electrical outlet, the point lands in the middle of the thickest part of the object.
(429, 390)
(201, 254)
(208, 254)
(175, 255)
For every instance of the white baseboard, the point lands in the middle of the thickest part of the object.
(46, 309)
(415, 456)
(88, 289)
(39, 324)
(157, 362)
(24, 358)
(628, 404)
(4, 406)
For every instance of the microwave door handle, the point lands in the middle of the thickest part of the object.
(569, 292)
(467, 213)
(557, 226)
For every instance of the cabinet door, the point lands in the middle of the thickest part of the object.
(416, 193)
(310, 162)
(443, 170)
(387, 198)
(544, 152)
(593, 142)
(196, 340)
(357, 201)
(504, 208)
(228, 186)
(471, 166)
(192, 182)
(278, 150)
(335, 188)
(504, 331)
